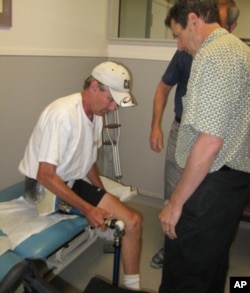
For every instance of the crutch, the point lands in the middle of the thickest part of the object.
(113, 142)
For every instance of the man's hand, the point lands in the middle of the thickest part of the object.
(96, 216)
(169, 217)
(156, 139)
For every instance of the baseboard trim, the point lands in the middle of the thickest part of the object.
(148, 200)
(150, 193)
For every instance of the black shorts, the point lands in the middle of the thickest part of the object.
(34, 191)
(88, 192)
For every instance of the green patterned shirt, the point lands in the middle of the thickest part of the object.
(217, 101)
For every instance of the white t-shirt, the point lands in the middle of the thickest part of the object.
(65, 137)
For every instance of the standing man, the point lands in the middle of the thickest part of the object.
(177, 73)
(202, 215)
(63, 149)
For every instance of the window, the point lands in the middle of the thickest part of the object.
(144, 19)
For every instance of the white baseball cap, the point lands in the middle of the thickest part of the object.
(117, 79)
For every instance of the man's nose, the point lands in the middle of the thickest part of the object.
(113, 106)
(179, 45)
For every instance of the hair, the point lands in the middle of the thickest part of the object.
(204, 9)
(87, 82)
(233, 13)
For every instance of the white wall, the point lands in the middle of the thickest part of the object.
(141, 167)
(50, 49)
(242, 29)
(75, 32)
(56, 27)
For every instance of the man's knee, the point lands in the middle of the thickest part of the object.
(134, 222)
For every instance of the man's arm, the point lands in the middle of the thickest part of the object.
(200, 160)
(160, 101)
(47, 176)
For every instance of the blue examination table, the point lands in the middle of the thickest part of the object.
(57, 245)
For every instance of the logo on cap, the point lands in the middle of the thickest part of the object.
(126, 84)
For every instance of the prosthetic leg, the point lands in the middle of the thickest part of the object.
(97, 285)
(119, 227)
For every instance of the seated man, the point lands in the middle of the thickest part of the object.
(63, 149)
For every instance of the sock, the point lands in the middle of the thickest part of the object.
(132, 281)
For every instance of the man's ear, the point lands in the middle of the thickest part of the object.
(94, 85)
(232, 27)
(193, 18)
